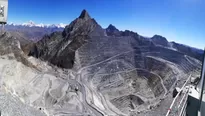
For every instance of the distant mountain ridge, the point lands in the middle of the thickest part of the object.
(33, 24)
(31, 31)
(111, 30)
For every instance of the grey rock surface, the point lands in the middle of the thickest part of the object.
(159, 40)
(125, 71)
(11, 106)
(87, 71)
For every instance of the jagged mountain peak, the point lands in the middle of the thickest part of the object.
(84, 15)
(112, 27)
(111, 30)
(83, 25)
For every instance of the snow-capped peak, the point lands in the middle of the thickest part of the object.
(40, 25)
(61, 25)
(32, 24)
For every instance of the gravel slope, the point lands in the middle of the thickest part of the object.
(11, 106)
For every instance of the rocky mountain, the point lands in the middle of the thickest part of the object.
(88, 70)
(29, 33)
(159, 40)
(83, 28)
(124, 71)
(58, 46)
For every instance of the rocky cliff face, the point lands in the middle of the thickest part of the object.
(59, 49)
(105, 71)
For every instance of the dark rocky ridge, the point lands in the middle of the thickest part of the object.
(159, 40)
(196, 53)
(112, 31)
(60, 49)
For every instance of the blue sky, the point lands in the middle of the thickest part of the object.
(182, 21)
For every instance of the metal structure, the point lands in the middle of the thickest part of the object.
(196, 98)
(192, 102)
(3, 12)
(179, 103)
(201, 108)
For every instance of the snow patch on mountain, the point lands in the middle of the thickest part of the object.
(33, 24)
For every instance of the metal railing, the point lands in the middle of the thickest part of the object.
(179, 103)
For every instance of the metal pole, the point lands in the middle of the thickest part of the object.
(202, 84)
(2, 28)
